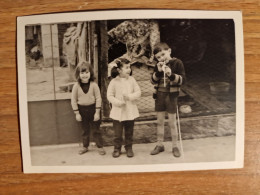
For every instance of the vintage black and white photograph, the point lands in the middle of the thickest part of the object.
(131, 91)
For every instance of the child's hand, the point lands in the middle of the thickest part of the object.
(168, 71)
(126, 97)
(96, 116)
(122, 103)
(160, 66)
(78, 117)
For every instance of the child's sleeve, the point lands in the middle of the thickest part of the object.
(137, 91)
(74, 97)
(179, 76)
(156, 76)
(111, 94)
(97, 95)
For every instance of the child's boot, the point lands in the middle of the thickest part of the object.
(129, 152)
(116, 153)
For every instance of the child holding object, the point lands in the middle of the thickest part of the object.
(86, 104)
(122, 93)
(168, 75)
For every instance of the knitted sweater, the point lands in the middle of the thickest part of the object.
(116, 88)
(91, 97)
(174, 81)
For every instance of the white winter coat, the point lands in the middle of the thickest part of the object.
(116, 88)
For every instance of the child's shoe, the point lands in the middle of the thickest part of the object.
(129, 153)
(83, 151)
(101, 151)
(116, 153)
(176, 152)
(157, 150)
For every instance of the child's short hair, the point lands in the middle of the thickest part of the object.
(160, 47)
(119, 64)
(82, 67)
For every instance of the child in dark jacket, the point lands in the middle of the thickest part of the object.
(168, 76)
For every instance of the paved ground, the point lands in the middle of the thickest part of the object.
(214, 149)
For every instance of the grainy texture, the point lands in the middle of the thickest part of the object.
(12, 179)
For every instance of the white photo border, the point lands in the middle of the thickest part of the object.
(128, 14)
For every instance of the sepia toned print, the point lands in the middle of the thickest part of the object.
(167, 83)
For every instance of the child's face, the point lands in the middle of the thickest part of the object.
(163, 56)
(84, 76)
(125, 71)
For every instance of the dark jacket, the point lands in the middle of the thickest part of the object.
(173, 82)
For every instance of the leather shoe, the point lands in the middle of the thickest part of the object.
(101, 151)
(176, 152)
(83, 151)
(157, 150)
(116, 153)
(129, 153)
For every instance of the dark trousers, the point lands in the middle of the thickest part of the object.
(88, 125)
(128, 126)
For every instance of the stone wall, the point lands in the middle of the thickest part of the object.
(53, 122)
(191, 128)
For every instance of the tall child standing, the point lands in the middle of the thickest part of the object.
(168, 75)
(86, 104)
(122, 93)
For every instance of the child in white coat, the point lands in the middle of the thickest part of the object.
(122, 93)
